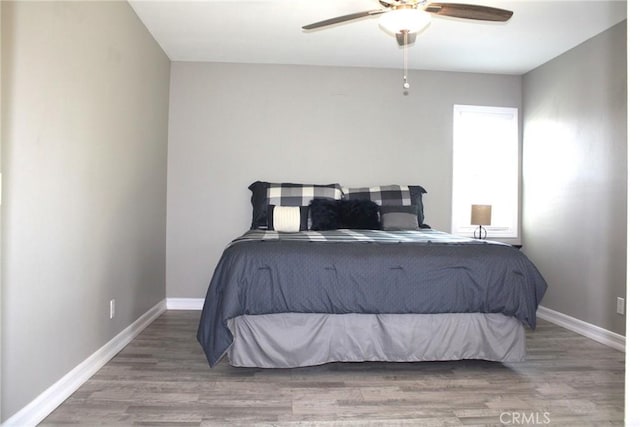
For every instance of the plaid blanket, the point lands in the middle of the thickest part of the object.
(372, 236)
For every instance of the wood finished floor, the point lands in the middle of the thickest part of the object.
(162, 378)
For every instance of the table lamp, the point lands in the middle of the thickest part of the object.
(480, 215)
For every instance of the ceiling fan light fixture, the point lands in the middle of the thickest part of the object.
(400, 20)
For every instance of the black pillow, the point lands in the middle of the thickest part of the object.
(324, 214)
(333, 214)
(259, 204)
(359, 214)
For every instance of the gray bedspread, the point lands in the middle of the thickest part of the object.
(358, 271)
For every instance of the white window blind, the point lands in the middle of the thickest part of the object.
(485, 168)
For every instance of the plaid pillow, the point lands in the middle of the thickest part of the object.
(416, 199)
(384, 195)
(300, 194)
(259, 202)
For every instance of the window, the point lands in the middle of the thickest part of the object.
(485, 168)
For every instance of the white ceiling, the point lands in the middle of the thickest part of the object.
(268, 32)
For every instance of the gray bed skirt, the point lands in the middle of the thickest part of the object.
(290, 340)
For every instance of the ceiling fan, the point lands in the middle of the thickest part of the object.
(405, 19)
(411, 13)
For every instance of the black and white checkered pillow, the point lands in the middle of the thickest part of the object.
(259, 198)
(384, 195)
(300, 194)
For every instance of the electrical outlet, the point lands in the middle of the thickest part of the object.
(620, 306)
(112, 308)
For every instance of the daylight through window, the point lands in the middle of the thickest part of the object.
(485, 168)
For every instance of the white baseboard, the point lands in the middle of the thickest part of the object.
(51, 398)
(185, 303)
(596, 333)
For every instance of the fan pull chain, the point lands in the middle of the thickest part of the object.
(405, 48)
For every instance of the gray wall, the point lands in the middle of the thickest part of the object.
(84, 131)
(574, 178)
(232, 124)
(0, 214)
(632, 349)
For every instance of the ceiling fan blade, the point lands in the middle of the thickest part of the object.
(343, 18)
(469, 11)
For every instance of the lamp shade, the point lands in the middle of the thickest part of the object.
(399, 20)
(481, 214)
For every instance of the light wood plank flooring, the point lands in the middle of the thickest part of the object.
(162, 378)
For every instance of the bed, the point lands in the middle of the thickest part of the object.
(310, 296)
